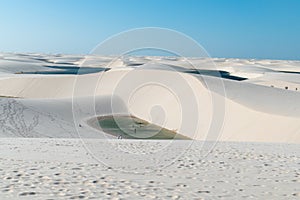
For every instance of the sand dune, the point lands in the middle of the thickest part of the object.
(241, 114)
(169, 97)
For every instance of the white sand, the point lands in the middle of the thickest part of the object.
(53, 106)
(251, 112)
(62, 169)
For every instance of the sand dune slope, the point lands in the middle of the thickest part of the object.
(198, 106)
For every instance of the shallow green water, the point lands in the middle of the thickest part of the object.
(129, 127)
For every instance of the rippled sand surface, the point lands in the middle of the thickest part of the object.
(63, 169)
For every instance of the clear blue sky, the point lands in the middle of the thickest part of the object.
(225, 28)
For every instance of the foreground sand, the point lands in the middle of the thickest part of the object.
(62, 169)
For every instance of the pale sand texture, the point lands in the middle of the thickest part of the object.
(62, 169)
(42, 117)
(251, 112)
